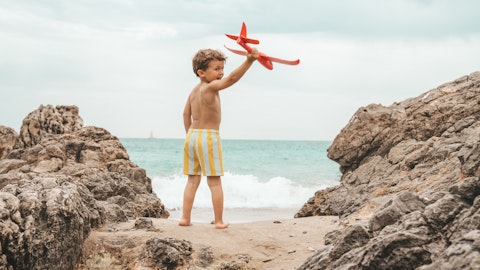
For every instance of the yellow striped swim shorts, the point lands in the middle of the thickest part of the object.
(202, 153)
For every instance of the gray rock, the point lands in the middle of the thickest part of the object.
(352, 237)
(441, 235)
(49, 120)
(422, 157)
(144, 224)
(168, 253)
(393, 210)
(423, 145)
(8, 140)
(58, 180)
(45, 220)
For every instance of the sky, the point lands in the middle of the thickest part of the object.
(127, 63)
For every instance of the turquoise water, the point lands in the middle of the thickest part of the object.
(258, 174)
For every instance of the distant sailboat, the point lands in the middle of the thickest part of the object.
(151, 135)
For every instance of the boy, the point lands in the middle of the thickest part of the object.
(201, 117)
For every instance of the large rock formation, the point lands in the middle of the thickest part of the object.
(409, 193)
(58, 180)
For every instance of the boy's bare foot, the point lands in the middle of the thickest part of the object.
(184, 222)
(221, 225)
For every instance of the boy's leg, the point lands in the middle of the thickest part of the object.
(188, 198)
(215, 185)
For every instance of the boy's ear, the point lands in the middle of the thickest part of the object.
(200, 73)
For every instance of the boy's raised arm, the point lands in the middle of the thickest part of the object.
(236, 74)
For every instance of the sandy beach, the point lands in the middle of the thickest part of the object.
(268, 244)
(237, 215)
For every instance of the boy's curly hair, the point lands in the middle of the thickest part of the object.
(203, 57)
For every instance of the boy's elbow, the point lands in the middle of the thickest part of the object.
(232, 80)
(187, 117)
(187, 121)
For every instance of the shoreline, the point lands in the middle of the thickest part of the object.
(237, 215)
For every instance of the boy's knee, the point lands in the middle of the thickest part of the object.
(213, 180)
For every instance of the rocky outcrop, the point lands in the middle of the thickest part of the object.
(144, 244)
(409, 193)
(423, 145)
(406, 233)
(8, 140)
(58, 180)
(49, 120)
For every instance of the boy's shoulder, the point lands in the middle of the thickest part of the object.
(195, 90)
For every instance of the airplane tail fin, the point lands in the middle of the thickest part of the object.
(243, 36)
(243, 31)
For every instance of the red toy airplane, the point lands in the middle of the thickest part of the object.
(264, 59)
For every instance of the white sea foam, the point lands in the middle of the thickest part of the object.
(240, 191)
(265, 180)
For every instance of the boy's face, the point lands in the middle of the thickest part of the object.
(214, 70)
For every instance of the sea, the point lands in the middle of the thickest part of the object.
(264, 179)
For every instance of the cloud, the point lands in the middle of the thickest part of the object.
(126, 64)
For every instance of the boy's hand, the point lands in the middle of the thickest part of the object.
(253, 55)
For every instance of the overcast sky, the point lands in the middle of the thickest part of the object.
(127, 64)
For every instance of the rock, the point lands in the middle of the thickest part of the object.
(8, 140)
(44, 222)
(7, 165)
(204, 256)
(58, 181)
(393, 210)
(348, 239)
(168, 253)
(467, 247)
(423, 145)
(409, 195)
(319, 260)
(444, 234)
(144, 224)
(137, 245)
(318, 204)
(373, 130)
(47, 120)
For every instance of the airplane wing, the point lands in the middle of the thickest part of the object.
(282, 61)
(266, 60)
(236, 51)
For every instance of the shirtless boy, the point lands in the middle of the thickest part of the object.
(201, 117)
